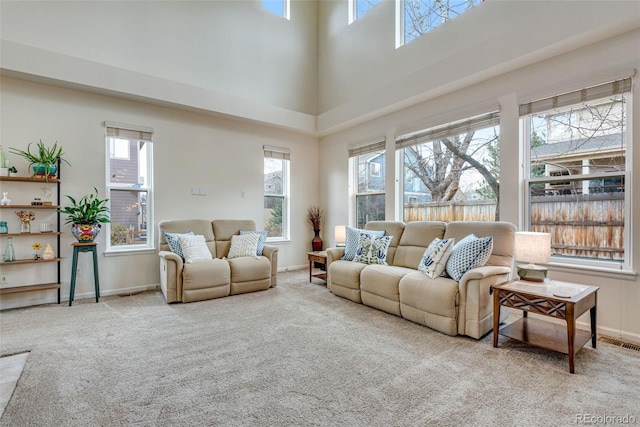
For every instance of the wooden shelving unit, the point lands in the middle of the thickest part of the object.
(15, 265)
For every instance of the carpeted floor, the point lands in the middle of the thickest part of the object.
(290, 356)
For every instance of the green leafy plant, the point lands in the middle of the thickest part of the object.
(88, 210)
(47, 156)
(13, 169)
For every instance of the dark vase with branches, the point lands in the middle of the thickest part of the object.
(314, 216)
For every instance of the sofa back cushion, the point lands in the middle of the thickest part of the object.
(197, 226)
(223, 229)
(416, 237)
(392, 228)
(503, 234)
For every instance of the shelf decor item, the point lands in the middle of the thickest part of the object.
(314, 216)
(36, 249)
(25, 218)
(9, 252)
(48, 252)
(44, 161)
(86, 215)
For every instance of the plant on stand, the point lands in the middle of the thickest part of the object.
(314, 216)
(44, 161)
(86, 216)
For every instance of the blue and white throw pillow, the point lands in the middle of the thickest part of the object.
(468, 253)
(194, 248)
(372, 250)
(244, 245)
(174, 243)
(352, 240)
(435, 257)
(261, 241)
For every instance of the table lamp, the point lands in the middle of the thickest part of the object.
(532, 247)
(340, 235)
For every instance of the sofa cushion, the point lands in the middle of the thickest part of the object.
(435, 257)
(194, 248)
(206, 274)
(261, 242)
(468, 253)
(372, 250)
(174, 242)
(352, 240)
(417, 235)
(182, 226)
(243, 245)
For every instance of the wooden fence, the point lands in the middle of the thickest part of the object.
(589, 226)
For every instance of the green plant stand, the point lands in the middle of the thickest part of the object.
(84, 247)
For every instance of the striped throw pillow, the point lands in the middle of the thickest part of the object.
(194, 248)
(243, 245)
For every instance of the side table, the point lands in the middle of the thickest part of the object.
(561, 300)
(84, 247)
(319, 257)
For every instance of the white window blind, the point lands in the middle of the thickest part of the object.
(448, 130)
(124, 131)
(276, 152)
(571, 98)
(365, 149)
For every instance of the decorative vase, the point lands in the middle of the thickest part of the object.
(316, 243)
(85, 233)
(25, 226)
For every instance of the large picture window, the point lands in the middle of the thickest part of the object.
(129, 184)
(276, 193)
(368, 165)
(577, 184)
(452, 172)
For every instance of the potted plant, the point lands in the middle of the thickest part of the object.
(13, 171)
(314, 216)
(44, 161)
(86, 216)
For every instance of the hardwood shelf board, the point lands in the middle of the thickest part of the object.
(30, 179)
(50, 233)
(544, 334)
(28, 261)
(29, 207)
(30, 288)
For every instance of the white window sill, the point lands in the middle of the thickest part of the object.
(593, 270)
(130, 251)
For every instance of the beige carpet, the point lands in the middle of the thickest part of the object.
(290, 356)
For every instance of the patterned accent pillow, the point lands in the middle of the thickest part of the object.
(372, 250)
(194, 248)
(468, 253)
(243, 245)
(434, 260)
(174, 243)
(352, 240)
(261, 241)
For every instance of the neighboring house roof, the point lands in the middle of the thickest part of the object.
(579, 146)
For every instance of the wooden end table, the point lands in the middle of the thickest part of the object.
(319, 257)
(561, 300)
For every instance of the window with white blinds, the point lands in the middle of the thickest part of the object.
(276, 192)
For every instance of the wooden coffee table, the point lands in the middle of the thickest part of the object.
(561, 300)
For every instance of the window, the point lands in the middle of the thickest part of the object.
(368, 165)
(417, 17)
(130, 186)
(357, 8)
(452, 172)
(277, 7)
(577, 183)
(276, 193)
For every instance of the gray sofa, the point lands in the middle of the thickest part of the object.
(218, 277)
(441, 303)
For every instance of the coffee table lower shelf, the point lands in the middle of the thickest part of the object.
(544, 334)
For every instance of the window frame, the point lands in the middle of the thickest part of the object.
(354, 156)
(286, 8)
(146, 135)
(281, 154)
(626, 265)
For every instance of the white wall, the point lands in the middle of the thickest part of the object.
(190, 149)
(602, 61)
(230, 47)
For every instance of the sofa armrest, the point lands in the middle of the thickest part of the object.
(475, 307)
(333, 254)
(271, 252)
(171, 266)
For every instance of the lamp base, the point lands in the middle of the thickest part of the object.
(532, 272)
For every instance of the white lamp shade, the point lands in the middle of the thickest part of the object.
(532, 247)
(340, 235)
